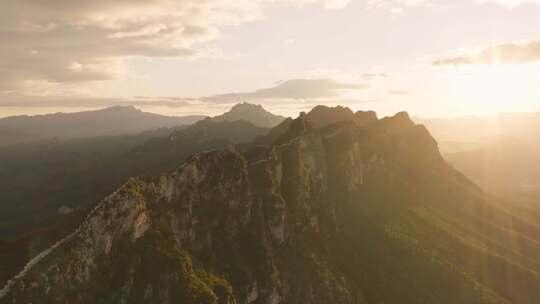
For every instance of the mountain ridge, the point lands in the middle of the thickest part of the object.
(338, 213)
(192, 167)
(117, 120)
(469, 133)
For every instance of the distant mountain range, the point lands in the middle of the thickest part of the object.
(499, 153)
(330, 207)
(506, 167)
(470, 133)
(107, 122)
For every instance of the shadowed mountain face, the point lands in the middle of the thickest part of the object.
(340, 212)
(110, 121)
(254, 114)
(10, 136)
(37, 180)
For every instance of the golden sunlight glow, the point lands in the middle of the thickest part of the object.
(494, 88)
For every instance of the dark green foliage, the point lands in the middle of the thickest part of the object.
(159, 265)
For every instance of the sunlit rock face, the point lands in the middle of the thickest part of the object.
(290, 223)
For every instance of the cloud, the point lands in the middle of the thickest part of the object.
(295, 89)
(66, 41)
(370, 76)
(336, 4)
(398, 6)
(292, 89)
(23, 101)
(507, 53)
(400, 92)
(509, 3)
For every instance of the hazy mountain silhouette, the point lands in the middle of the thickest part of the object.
(333, 211)
(110, 121)
(506, 167)
(471, 133)
(500, 153)
(254, 114)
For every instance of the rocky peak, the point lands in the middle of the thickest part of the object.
(321, 116)
(400, 121)
(252, 113)
(364, 118)
(131, 109)
(245, 106)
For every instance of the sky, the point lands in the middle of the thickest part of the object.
(179, 57)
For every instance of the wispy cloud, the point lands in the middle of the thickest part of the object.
(506, 53)
(336, 4)
(509, 3)
(65, 41)
(293, 89)
(24, 101)
(400, 92)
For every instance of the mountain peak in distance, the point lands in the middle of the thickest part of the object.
(126, 109)
(252, 113)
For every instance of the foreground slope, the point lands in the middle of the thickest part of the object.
(348, 212)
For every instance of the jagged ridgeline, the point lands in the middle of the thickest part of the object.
(342, 207)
